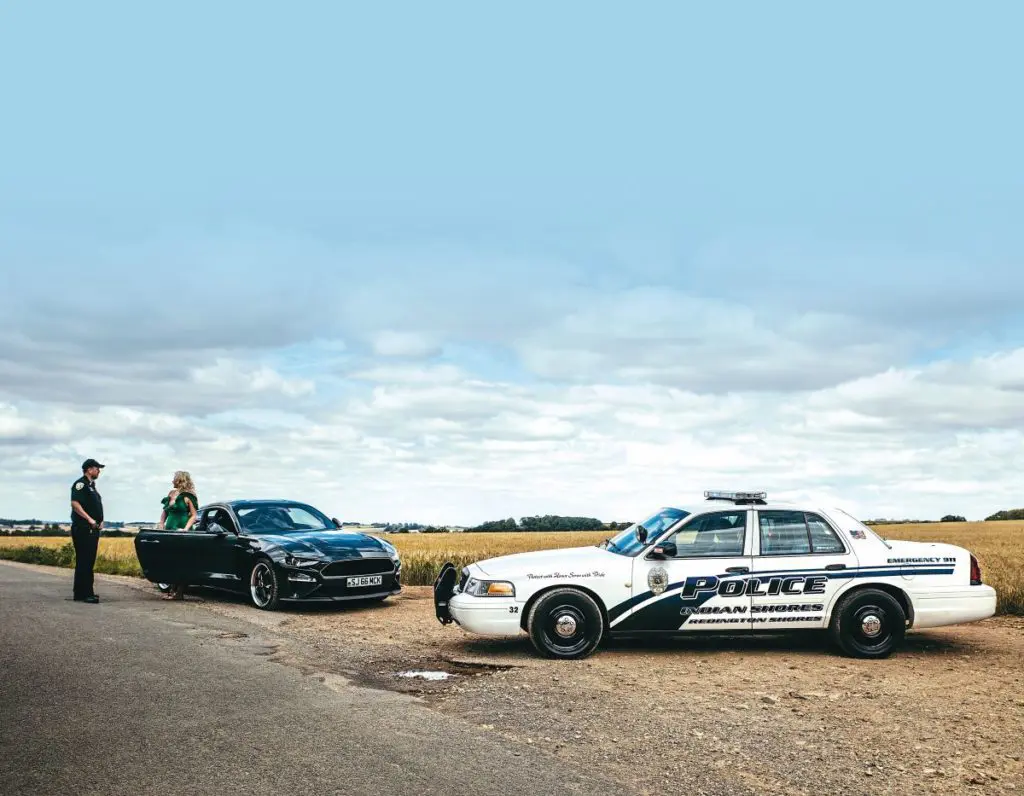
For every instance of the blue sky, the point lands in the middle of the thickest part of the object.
(449, 262)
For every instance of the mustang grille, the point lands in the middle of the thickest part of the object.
(359, 566)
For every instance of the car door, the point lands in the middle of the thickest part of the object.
(800, 562)
(160, 555)
(212, 556)
(694, 579)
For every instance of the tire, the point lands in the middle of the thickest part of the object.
(165, 587)
(264, 591)
(857, 633)
(579, 615)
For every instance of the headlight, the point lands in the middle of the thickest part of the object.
(490, 588)
(389, 548)
(293, 561)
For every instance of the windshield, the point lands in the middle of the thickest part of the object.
(625, 542)
(277, 518)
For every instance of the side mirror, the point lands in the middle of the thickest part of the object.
(336, 521)
(641, 534)
(220, 530)
(664, 550)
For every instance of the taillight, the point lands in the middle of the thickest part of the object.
(975, 572)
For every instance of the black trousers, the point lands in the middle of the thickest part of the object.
(86, 542)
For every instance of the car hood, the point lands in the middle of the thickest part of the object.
(327, 544)
(564, 562)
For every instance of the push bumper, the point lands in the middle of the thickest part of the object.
(444, 587)
(955, 607)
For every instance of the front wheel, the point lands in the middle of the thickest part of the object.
(263, 586)
(869, 623)
(565, 623)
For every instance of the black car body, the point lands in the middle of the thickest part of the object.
(273, 551)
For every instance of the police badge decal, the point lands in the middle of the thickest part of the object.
(657, 580)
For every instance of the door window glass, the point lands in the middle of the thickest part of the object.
(784, 533)
(715, 535)
(794, 533)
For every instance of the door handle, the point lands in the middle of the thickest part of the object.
(149, 541)
(836, 566)
(738, 570)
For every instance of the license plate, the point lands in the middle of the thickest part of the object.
(365, 580)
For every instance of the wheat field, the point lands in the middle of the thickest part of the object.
(999, 547)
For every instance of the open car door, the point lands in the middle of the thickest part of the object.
(159, 554)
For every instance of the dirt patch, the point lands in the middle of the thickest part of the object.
(761, 714)
(767, 714)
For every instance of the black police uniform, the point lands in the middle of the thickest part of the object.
(86, 538)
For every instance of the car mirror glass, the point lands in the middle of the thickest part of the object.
(665, 550)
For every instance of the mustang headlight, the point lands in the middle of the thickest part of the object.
(490, 588)
(295, 561)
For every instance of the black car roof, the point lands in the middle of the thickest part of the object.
(264, 502)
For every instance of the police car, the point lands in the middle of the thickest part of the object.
(734, 563)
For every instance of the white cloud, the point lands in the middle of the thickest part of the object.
(493, 386)
(468, 450)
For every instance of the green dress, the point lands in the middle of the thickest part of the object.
(178, 513)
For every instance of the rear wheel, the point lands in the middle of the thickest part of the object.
(565, 623)
(263, 586)
(868, 623)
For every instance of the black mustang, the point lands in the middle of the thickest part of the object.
(274, 551)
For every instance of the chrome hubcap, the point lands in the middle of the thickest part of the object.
(261, 584)
(565, 626)
(871, 625)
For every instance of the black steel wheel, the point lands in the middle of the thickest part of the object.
(565, 623)
(263, 586)
(868, 623)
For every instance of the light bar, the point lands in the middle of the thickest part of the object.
(716, 495)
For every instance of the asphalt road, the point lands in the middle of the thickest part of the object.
(136, 695)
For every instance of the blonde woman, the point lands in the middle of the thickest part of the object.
(180, 505)
(180, 512)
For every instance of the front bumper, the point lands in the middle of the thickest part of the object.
(486, 616)
(310, 584)
(970, 604)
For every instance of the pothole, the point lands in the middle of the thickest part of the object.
(426, 675)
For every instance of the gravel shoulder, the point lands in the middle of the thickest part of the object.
(764, 715)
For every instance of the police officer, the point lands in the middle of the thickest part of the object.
(86, 522)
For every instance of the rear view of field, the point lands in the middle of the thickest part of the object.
(999, 547)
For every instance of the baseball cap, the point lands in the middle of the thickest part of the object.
(92, 463)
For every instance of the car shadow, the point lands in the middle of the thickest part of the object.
(211, 594)
(801, 643)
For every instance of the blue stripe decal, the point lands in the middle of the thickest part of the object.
(842, 574)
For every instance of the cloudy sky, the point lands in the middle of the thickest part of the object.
(436, 263)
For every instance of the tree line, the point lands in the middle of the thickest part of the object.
(548, 523)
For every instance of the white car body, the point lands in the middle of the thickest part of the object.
(740, 565)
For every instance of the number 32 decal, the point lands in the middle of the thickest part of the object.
(513, 609)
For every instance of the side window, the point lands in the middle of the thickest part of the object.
(712, 536)
(794, 533)
(218, 517)
(783, 533)
(823, 538)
